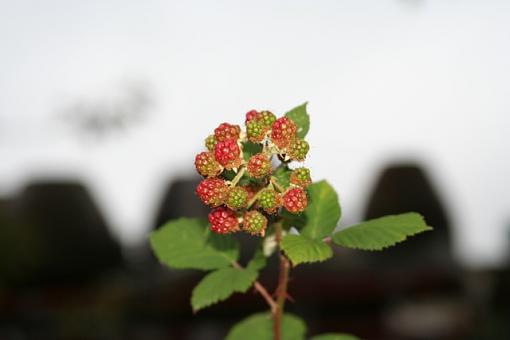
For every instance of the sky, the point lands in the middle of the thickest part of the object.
(411, 80)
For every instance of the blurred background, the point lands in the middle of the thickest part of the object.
(104, 104)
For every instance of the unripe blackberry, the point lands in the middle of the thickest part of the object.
(212, 191)
(295, 200)
(301, 177)
(206, 164)
(298, 149)
(223, 221)
(259, 166)
(256, 131)
(283, 132)
(270, 200)
(227, 131)
(254, 223)
(237, 198)
(228, 153)
(210, 142)
(267, 118)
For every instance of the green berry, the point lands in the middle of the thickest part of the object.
(255, 131)
(210, 142)
(270, 200)
(237, 198)
(298, 149)
(301, 177)
(254, 223)
(267, 118)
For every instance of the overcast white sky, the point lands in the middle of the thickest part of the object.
(386, 80)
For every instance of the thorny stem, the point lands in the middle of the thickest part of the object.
(262, 290)
(281, 289)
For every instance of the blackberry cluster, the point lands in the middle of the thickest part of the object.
(240, 187)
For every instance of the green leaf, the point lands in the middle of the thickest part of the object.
(258, 261)
(301, 118)
(323, 211)
(282, 175)
(220, 284)
(188, 243)
(250, 149)
(381, 232)
(335, 336)
(301, 249)
(260, 327)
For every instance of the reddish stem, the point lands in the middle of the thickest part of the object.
(281, 290)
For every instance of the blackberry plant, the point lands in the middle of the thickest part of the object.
(280, 205)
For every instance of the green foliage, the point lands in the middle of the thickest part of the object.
(282, 175)
(250, 149)
(301, 118)
(381, 232)
(323, 211)
(302, 249)
(335, 336)
(188, 243)
(260, 327)
(258, 261)
(220, 284)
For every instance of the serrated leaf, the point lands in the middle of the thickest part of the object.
(220, 284)
(258, 261)
(282, 175)
(381, 233)
(323, 211)
(301, 249)
(188, 243)
(250, 149)
(300, 116)
(335, 336)
(260, 327)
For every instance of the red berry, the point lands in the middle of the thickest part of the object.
(223, 221)
(227, 153)
(283, 132)
(254, 223)
(212, 191)
(207, 165)
(295, 200)
(259, 166)
(227, 131)
(253, 114)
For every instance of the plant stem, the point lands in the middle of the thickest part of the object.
(277, 185)
(281, 289)
(238, 176)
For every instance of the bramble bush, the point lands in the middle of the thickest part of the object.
(294, 217)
